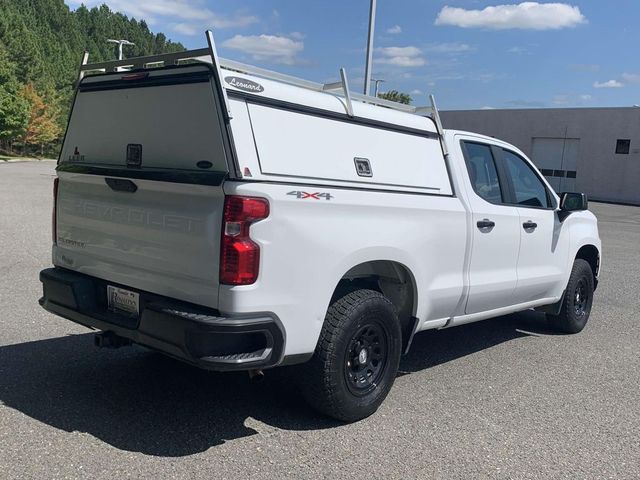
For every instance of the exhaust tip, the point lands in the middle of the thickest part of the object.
(256, 376)
(110, 340)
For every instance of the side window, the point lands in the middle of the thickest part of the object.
(482, 172)
(529, 189)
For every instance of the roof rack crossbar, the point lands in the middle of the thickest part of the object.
(83, 62)
(345, 90)
(143, 62)
(215, 61)
(271, 75)
(327, 87)
(338, 88)
(435, 115)
(310, 85)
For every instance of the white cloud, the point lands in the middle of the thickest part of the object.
(585, 98)
(449, 48)
(186, 17)
(402, 61)
(519, 103)
(270, 48)
(525, 15)
(409, 51)
(394, 30)
(416, 92)
(561, 100)
(489, 77)
(401, 56)
(185, 29)
(518, 50)
(631, 77)
(608, 84)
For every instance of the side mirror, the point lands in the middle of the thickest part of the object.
(572, 202)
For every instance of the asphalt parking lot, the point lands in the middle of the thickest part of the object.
(505, 398)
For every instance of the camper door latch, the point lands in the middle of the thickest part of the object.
(363, 167)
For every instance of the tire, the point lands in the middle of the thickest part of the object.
(356, 360)
(578, 299)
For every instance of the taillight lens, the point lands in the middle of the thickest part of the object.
(54, 211)
(239, 255)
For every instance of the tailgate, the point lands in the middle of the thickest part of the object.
(140, 194)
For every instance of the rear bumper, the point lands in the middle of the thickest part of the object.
(191, 333)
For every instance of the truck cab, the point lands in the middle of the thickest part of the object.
(510, 200)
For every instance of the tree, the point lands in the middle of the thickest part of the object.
(14, 113)
(42, 127)
(14, 109)
(396, 96)
(41, 42)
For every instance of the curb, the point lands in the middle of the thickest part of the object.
(21, 160)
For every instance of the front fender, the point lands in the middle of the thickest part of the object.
(583, 228)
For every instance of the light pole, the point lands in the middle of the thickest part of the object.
(368, 66)
(120, 44)
(377, 82)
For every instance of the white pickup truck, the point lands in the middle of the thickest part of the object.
(240, 219)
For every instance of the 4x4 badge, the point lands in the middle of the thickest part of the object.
(310, 195)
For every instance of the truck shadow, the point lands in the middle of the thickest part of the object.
(434, 347)
(140, 401)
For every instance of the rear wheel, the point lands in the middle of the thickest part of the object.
(357, 357)
(578, 299)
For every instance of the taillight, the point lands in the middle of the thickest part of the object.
(54, 212)
(239, 255)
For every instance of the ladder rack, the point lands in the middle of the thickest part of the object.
(209, 55)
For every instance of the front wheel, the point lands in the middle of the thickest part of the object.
(578, 299)
(356, 360)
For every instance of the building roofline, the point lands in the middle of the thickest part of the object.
(562, 109)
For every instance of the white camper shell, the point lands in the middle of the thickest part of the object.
(241, 219)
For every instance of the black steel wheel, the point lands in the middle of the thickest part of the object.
(581, 298)
(366, 358)
(356, 360)
(578, 299)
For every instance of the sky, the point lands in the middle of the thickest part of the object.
(470, 54)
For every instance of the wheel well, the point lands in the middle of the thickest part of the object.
(393, 280)
(590, 254)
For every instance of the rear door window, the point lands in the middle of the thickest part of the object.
(483, 174)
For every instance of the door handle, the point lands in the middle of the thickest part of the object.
(529, 225)
(485, 223)
(121, 185)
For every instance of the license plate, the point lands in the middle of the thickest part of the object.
(123, 301)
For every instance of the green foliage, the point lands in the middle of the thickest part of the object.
(396, 96)
(14, 109)
(14, 113)
(41, 44)
(42, 127)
